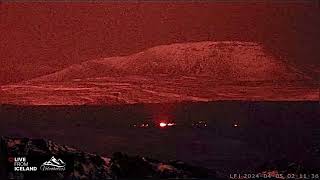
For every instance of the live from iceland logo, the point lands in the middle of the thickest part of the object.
(21, 164)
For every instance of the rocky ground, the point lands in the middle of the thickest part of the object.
(152, 89)
(122, 166)
(84, 165)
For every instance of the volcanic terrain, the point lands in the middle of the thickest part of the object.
(199, 71)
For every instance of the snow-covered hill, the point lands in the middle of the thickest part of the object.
(201, 71)
(226, 60)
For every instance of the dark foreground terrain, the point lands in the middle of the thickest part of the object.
(46, 155)
(239, 137)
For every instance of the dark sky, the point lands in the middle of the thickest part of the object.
(39, 38)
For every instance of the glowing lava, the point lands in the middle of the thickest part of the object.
(171, 124)
(162, 124)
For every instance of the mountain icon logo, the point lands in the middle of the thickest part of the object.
(53, 165)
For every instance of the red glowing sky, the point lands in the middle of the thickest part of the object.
(40, 38)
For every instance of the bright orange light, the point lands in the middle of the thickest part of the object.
(171, 124)
(162, 124)
(235, 125)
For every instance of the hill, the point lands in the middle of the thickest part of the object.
(201, 71)
(226, 60)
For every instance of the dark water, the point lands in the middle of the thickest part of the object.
(266, 131)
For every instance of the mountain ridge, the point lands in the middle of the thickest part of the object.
(200, 71)
(222, 60)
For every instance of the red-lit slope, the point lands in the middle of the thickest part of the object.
(230, 61)
(202, 71)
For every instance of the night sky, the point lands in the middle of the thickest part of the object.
(40, 38)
